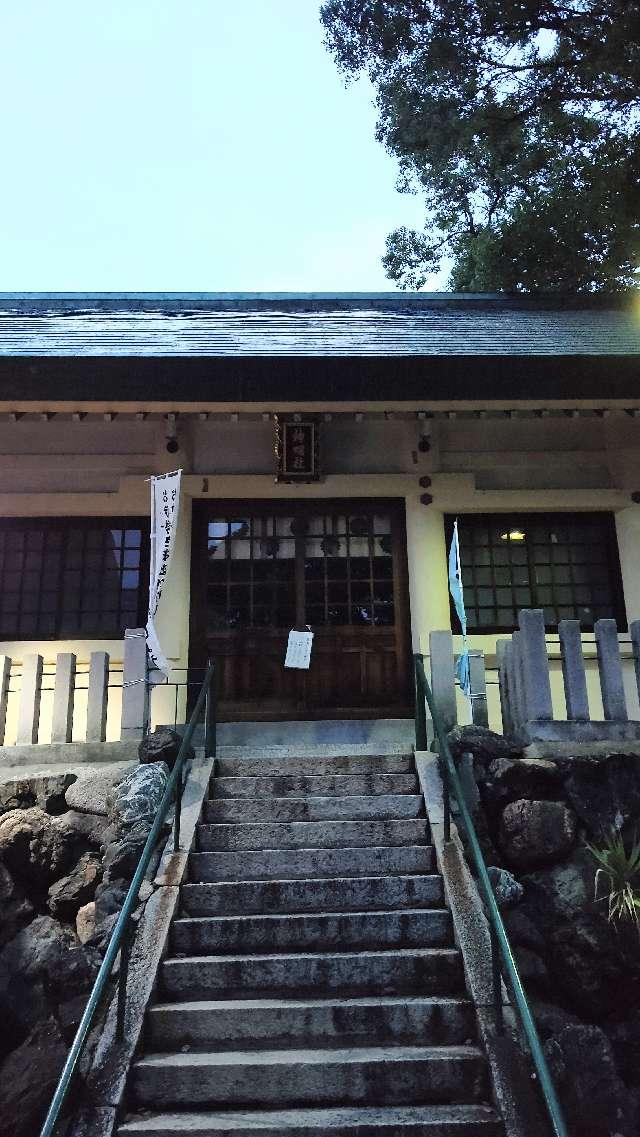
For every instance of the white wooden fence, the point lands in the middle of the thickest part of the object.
(107, 701)
(525, 687)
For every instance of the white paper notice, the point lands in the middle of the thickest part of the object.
(299, 650)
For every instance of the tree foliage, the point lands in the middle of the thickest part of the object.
(519, 120)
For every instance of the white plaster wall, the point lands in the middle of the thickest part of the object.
(89, 468)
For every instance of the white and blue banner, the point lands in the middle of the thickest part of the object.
(457, 593)
(165, 506)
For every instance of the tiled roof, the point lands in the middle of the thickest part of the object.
(305, 325)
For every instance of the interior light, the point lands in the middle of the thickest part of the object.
(513, 535)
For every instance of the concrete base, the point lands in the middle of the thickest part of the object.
(559, 730)
(67, 754)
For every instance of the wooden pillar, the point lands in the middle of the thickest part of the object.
(97, 695)
(5, 678)
(535, 665)
(134, 685)
(614, 702)
(478, 677)
(63, 695)
(29, 702)
(443, 683)
(503, 649)
(573, 671)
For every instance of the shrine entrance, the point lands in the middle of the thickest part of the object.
(261, 568)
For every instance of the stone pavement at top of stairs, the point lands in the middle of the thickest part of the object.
(312, 987)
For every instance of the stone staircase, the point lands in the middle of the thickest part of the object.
(312, 985)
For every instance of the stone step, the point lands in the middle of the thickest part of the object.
(273, 765)
(416, 971)
(292, 864)
(330, 894)
(312, 835)
(363, 1121)
(426, 927)
(314, 785)
(240, 1023)
(354, 807)
(378, 1075)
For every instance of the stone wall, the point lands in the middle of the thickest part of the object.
(68, 850)
(536, 817)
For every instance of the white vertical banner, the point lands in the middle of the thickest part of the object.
(165, 505)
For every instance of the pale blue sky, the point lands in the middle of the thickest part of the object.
(187, 144)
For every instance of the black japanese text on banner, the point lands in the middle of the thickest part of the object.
(165, 504)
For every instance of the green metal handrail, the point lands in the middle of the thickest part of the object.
(500, 946)
(122, 935)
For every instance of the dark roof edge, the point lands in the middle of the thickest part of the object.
(35, 303)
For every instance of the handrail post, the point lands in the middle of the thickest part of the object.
(422, 741)
(210, 717)
(178, 811)
(446, 801)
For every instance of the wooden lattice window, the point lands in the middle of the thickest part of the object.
(566, 564)
(62, 578)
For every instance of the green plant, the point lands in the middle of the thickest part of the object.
(619, 867)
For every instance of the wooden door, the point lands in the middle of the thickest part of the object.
(262, 568)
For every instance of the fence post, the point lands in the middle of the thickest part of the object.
(29, 705)
(134, 685)
(614, 703)
(63, 694)
(503, 648)
(97, 694)
(535, 665)
(516, 681)
(422, 742)
(478, 679)
(573, 672)
(443, 683)
(634, 630)
(5, 678)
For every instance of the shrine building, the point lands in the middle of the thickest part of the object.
(327, 444)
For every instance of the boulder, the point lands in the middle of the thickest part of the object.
(559, 893)
(162, 745)
(522, 931)
(550, 1018)
(625, 1039)
(102, 933)
(75, 974)
(121, 857)
(484, 744)
(69, 893)
(591, 969)
(135, 800)
(109, 898)
(536, 832)
(28, 1078)
(507, 890)
(591, 1090)
(84, 828)
(507, 780)
(86, 921)
(531, 967)
(33, 847)
(45, 790)
(15, 909)
(28, 963)
(604, 790)
(36, 950)
(89, 795)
